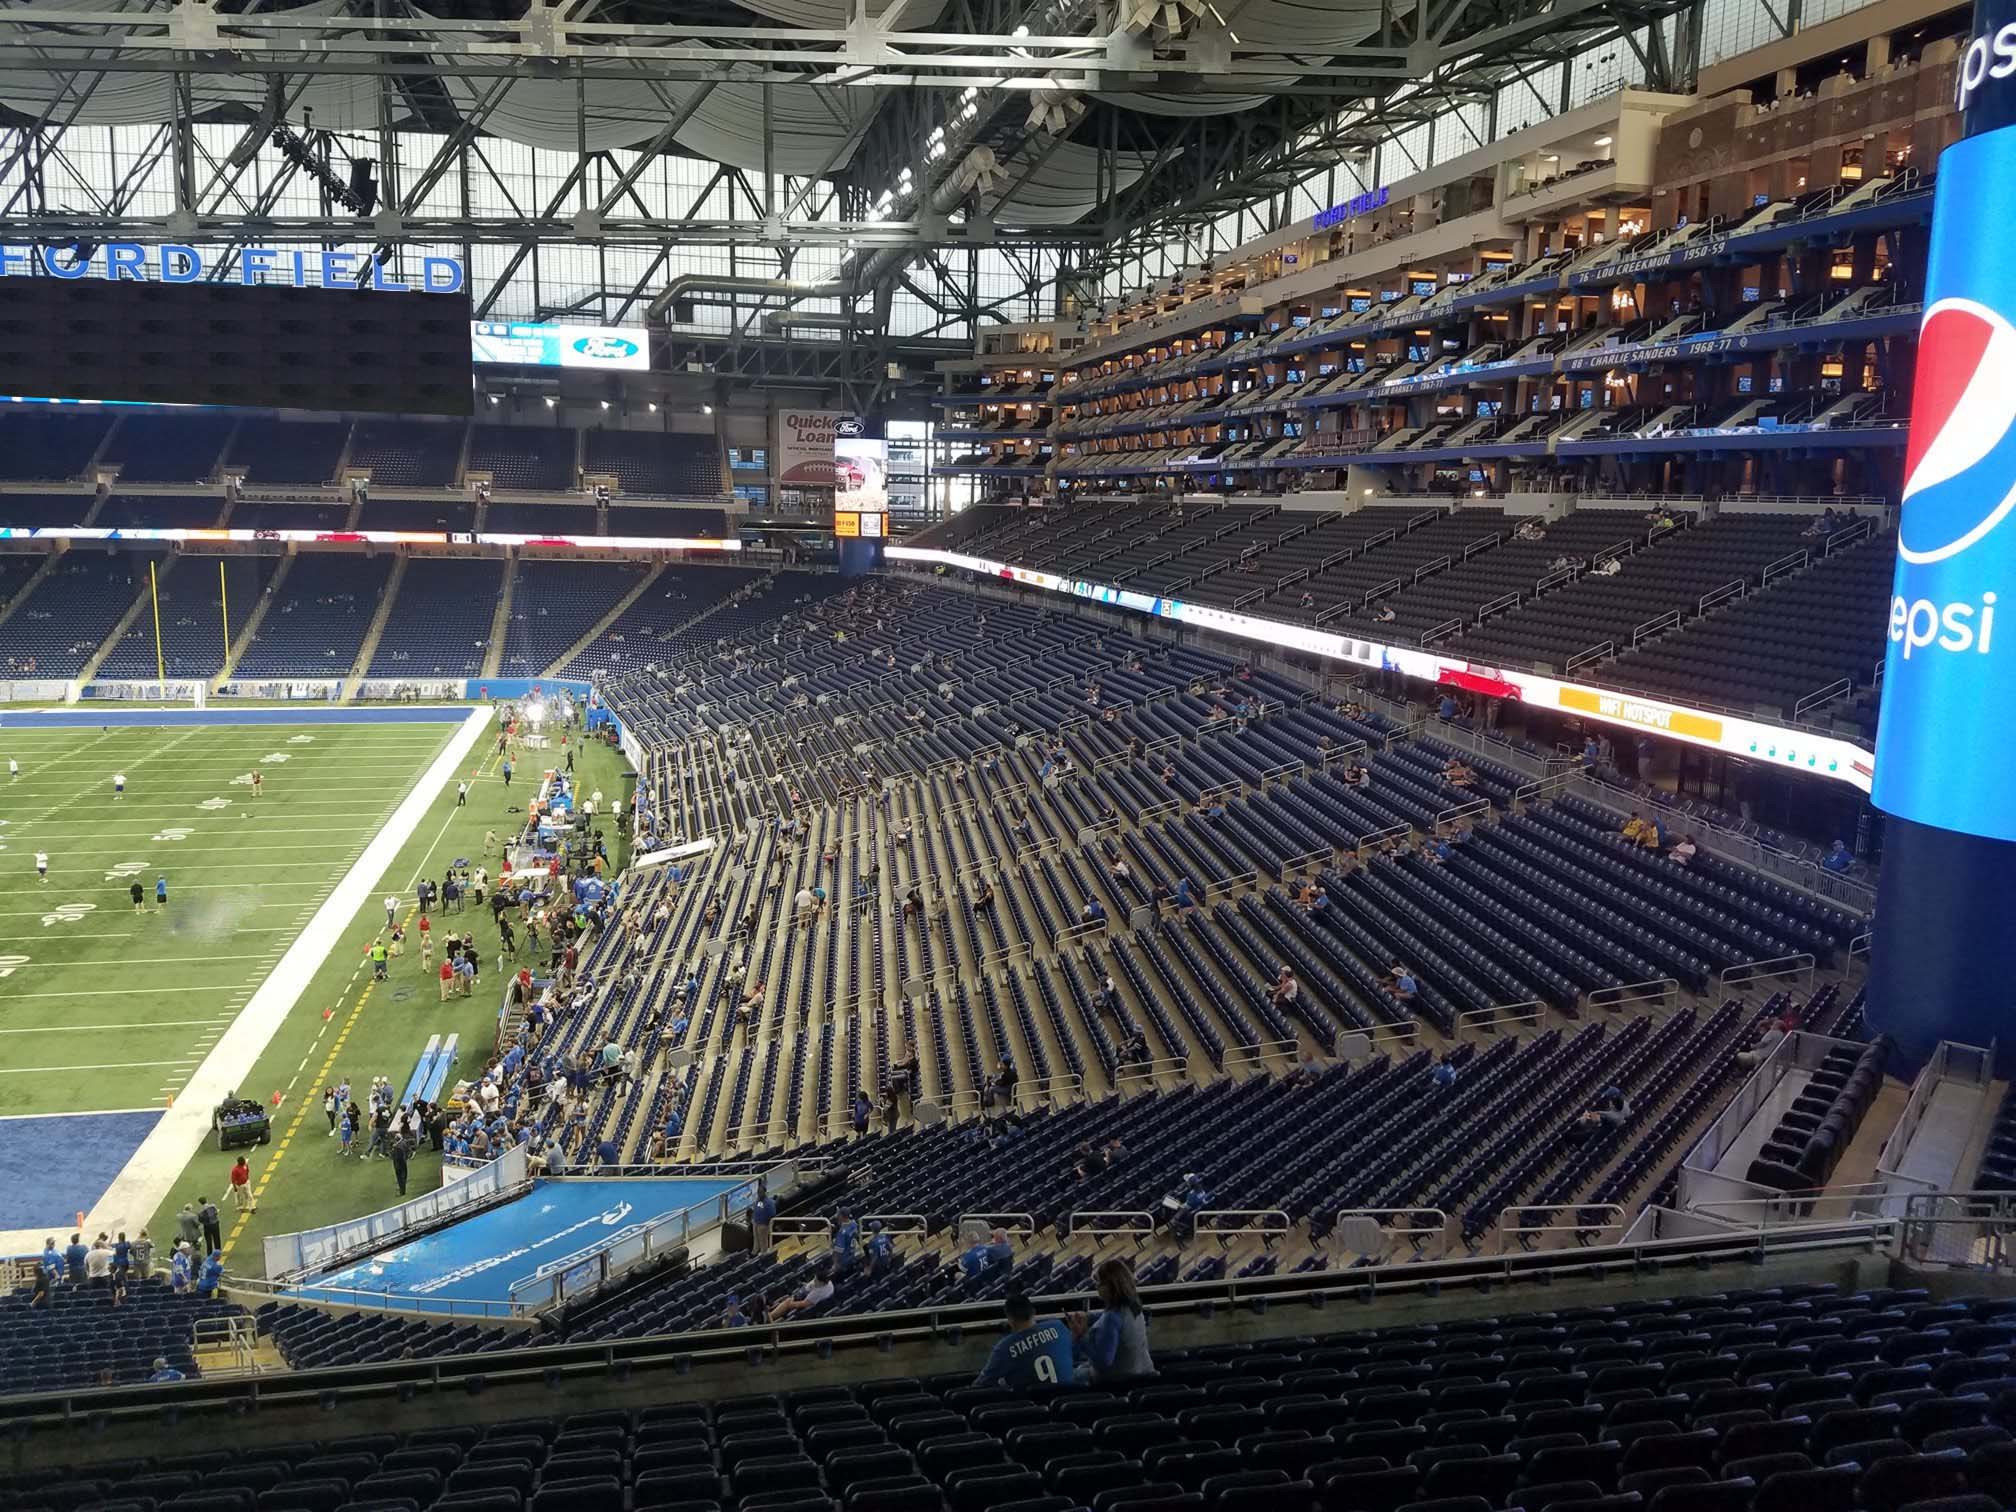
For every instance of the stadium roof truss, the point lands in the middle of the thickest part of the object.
(954, 159)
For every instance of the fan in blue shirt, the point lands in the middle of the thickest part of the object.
(1032, 1354)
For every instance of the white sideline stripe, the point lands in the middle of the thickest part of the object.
(152, 1170)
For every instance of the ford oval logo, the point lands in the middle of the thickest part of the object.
(849, 428)
(605, 348)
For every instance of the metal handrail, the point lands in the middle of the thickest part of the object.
(1777, 968)
(1667, 621)
(1657, 990)
(1525, 1234)
(1546, 787)
(1503, 1015)
(1249, 1221)
(1374, 839)
(1820, 696)
(1256, 1054)
(1013, 1223)
(1065, 1084)
(1094, 1221)
(1462, 811)
(1126, 1073)
(1593, 653)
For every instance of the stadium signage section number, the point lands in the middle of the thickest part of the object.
(173, 263)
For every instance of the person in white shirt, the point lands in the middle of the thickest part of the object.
(42, 866)
(98, 1261)
(13, 767)
(391, 909)
(118, 784)
(810, 1295)
(1684, 852)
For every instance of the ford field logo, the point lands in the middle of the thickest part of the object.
(605, 348)
(848, 428)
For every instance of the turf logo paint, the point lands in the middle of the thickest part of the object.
(214, 803)
(272, 756)
(67, 913)
(9, 964)
(124, 870)
(300, 739)
(175, 832)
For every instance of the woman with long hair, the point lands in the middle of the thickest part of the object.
(1116, 1341)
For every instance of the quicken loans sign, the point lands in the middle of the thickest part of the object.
(176, 264)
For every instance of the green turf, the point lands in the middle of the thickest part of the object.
(301, 1180)
(113, 1009)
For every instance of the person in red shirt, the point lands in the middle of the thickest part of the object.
(241, 1187)
(447, 978)
(426, 943)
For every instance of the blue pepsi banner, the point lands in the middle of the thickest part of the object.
(173, 263)
(1949, 692)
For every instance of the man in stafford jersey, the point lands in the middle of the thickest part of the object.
(1031, 1354)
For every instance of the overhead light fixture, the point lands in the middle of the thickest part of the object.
(706, 409)
(493, 398)
(1604, 141)
(605, 404)
(550, 401)
(654, 408)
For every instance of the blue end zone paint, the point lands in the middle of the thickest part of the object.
(482, 1258)
(106, 714)
(52, 1168)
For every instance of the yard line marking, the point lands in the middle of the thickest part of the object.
(137, 1024)
(112, 991)
(105, 1066)
(76, 1113)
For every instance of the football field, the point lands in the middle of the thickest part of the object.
(109, 1009)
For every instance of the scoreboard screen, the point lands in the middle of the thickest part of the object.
(860, 487)
(222, 344)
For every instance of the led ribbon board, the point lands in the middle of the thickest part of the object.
(1755, 740)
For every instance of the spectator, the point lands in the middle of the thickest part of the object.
(1772, 1037)
(1684, 852)
(1286, 990)
(1838, 859)
(732, 1315)
(986, 1254)
(1115, 1343)
(164, 1373)
(1404, 986)
(1443, 1077)
(76, 1260)
(1030, 1353)
(846, 1242)
(862, 1110)
(819, 1289)
(880, 1252)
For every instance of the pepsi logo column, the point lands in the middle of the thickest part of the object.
(1946, 744)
